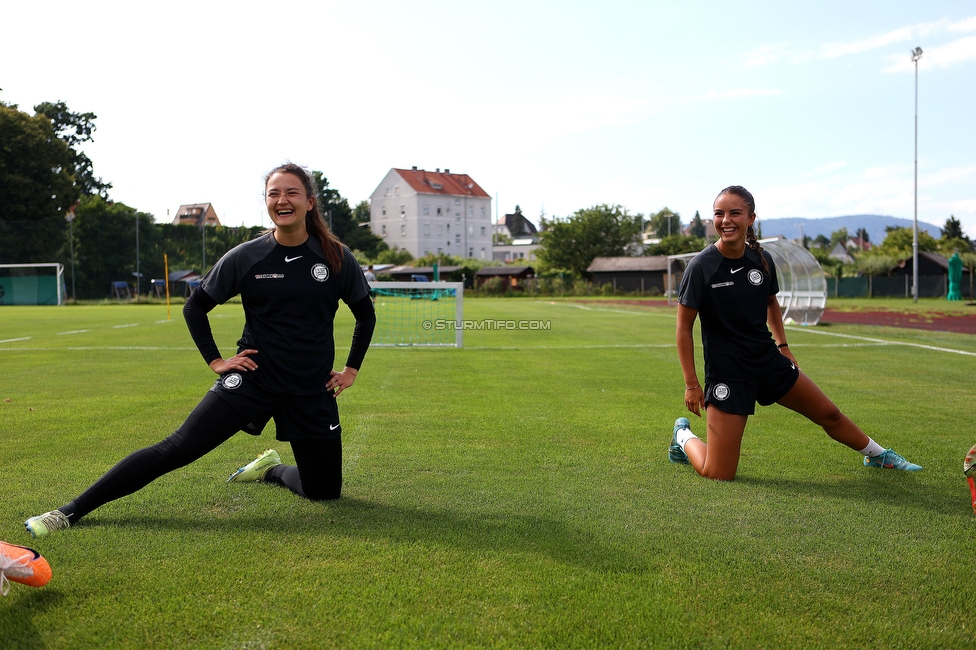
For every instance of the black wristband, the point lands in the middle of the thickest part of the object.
(783, 345)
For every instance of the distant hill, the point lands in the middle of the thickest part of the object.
(875, 224)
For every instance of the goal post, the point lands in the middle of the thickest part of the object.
(418, 313)
(32, 284)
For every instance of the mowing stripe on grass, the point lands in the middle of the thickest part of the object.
(883, 341)
(609, 311)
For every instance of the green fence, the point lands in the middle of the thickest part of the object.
(929, 286)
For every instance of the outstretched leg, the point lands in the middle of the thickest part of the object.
(210, 424)
(809, 401)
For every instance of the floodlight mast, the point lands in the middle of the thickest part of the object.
(916, 55)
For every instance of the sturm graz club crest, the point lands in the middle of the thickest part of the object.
(320, 272)
(231, 381)
(720, 392)
(755, 277)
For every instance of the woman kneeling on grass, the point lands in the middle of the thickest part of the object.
(290, 281)
(732, 285)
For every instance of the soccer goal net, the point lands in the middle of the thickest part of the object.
(418, 313)
(31, 284)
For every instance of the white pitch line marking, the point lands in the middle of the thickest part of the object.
(23, 338)
(72, 332)
(118, 327)
(883, 341)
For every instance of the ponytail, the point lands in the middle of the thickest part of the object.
(754, 245)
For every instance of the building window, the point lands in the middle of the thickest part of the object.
(426, 209)
(403, 210)
(471, 230)
(384, 210)
(426, 230)
(403, 230)
(482, 231)
(482, 253)
(482, 212)
(384, 230)
(438, 211)
(457, 239)
(471, 251)
(471, 211)
(440, 230)
(457, 218)
(396, 190)
(457, 201)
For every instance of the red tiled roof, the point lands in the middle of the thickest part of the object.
(425, 182)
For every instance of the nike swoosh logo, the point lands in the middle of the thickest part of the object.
(333, 427)
(292, 259)
(733, 270)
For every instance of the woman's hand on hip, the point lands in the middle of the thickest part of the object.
(340, 381)
(241, 361)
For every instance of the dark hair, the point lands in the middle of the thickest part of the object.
(750, 201)
(314, 222)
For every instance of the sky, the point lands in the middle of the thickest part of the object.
(552, 106)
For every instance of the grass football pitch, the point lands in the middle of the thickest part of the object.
(515, 493)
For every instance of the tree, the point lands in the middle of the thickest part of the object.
(676, 245)
(362, 238)
(953, 229)
(697, 228)
(953, 238)
(898, 242)
(394, 256)
(345, 221)
(839, 237)
(875, 263)
(599, 231)
(75, 129)
(821, 242)
(37, 188)
(862, 234)
(105, 244)
(664, 223)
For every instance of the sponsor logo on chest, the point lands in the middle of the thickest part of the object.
(755, 277)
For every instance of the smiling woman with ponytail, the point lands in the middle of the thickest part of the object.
(732, 286)
(290, 280)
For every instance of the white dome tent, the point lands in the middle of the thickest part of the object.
(802, 284)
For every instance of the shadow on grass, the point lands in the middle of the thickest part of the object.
(18, 613)
(468, 532)
(876, 487)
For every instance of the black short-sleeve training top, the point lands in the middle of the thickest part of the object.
(290, 297)
(731, 298)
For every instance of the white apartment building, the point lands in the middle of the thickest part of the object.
(432, 212)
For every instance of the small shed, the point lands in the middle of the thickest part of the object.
(406, 273)
(190, 280)
(929, 264)
(512, 276)
(644, 274)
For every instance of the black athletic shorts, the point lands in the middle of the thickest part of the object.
(740, 397)
(297, 417)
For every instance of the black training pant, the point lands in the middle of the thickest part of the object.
(318, 475)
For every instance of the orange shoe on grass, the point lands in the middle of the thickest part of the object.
(23, 565)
